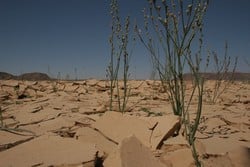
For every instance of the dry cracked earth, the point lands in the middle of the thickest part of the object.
(68, 123)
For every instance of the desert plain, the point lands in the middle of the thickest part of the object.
(68, 123)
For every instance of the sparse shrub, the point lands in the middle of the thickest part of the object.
(119, 57)
(59, 77)
(171, 29)
(248, 64)
(224, 74)
(75, 71)
(1, 117)
(67, 77)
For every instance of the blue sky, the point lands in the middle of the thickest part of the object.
(64, 35)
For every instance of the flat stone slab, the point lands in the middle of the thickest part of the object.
(48, 151)
(150, 131)
(29, 118)
(132, 153)
(52, 125)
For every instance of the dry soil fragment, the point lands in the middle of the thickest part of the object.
(132, 153)
(151, 131)
(87, 134)
(49, 151)
(240, 156)
(179, 158)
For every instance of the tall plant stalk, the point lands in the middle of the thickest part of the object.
(119, 57)
(1, 117)
(171, 30)
(224, 73)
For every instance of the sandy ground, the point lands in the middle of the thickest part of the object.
(62, 123)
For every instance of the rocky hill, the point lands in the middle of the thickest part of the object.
(34, 76)
(6, 76)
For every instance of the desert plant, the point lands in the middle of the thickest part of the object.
(224, 74)
(67, 77)
(176, 27)
(1, 117)
(247, 62)
(119, 56)
(75, 70)
(59, 76)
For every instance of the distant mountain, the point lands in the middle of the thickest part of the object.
(5, 76)
(237, 76)
(35, 76)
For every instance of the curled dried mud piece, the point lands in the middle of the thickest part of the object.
(37, 165)
(152, 129)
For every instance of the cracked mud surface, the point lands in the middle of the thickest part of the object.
(52, 123)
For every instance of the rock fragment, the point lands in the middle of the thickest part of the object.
(132, 153)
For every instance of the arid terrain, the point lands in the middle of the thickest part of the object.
(68, 123)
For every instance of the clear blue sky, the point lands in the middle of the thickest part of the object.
(64, 35)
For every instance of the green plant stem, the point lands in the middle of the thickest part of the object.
(175, 31)
(119, 56)
(1, 116)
